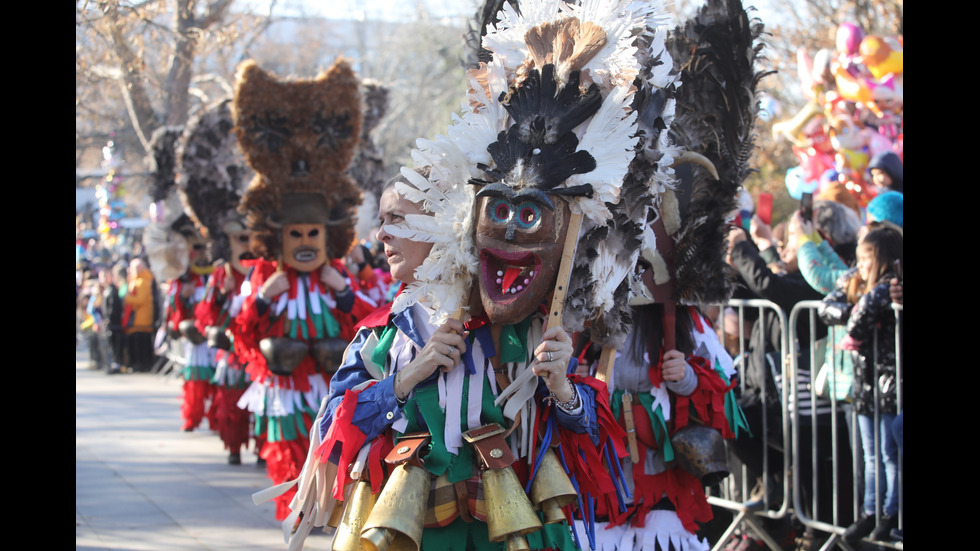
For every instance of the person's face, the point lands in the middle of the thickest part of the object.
(239, 242)
(197, 249)
(880, 178)
(404, 255)
(519, 239)
(788, 254)
(864, 261)
(304, 246)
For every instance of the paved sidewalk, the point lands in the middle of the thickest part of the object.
(141, 484)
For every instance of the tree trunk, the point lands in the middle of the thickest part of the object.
(134, 91)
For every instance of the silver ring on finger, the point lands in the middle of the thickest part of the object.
(551, 357)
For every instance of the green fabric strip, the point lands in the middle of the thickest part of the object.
(461, 536)
(474, 536)
(332, 325)
(384, 345)
(319, 328)
(427, 402)
(513, 342)
(197, 373)
(734, 414)
(659, 425)
(280, 429)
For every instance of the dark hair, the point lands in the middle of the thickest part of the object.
(648, 331)
(886, 245)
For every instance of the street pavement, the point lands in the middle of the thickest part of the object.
(142, 484)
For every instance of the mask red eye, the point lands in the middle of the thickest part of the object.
(500, 211)
(529, 215)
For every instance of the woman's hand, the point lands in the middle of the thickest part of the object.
(551, 359)
(443, 351)
(674, 366)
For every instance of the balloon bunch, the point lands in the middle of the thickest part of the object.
(854, 112)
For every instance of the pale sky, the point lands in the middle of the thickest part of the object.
(373, 9)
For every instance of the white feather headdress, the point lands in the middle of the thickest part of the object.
(560, 106)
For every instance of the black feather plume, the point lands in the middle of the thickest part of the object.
(717, 105)
(162, 161)
(539, 149)
(212, 173)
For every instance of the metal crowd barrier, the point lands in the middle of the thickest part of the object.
(823, 469)
(171, 357)
(844, 510)
(736, 490)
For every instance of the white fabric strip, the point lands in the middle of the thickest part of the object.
(302, 292)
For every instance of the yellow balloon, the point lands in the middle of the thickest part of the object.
(882, 57)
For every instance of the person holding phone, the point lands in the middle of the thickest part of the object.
(785, 288)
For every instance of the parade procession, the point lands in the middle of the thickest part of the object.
(571, 313)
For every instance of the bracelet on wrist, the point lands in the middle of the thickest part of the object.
(569, 405)
(394, 390)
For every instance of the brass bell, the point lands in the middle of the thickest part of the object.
(510, 515)
(395, 522)
(337, 512)
(551, 489)
(356, 511)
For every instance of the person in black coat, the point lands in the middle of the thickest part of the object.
(113, 310)
(783, 284)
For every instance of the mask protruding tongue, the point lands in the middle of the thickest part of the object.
(509, 276)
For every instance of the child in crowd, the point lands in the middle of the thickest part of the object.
(862, 303)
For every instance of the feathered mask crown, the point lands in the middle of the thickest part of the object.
(300, 136)
(561, 106)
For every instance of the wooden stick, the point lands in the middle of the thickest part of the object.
(603, 371)
(630, 427)
(565, 269)
(557, 299)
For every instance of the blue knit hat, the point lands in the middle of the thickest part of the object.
(886, 206)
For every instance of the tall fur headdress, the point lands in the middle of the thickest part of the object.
(555, 107)
(300, 136)
(211, 175)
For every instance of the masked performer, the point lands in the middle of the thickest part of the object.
(485, 414)
(178, 256)
(673, 382)
(299, 309)
(211, 176)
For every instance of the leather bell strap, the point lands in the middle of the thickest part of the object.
(490, 446)
(407, 450)
(630, 426)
